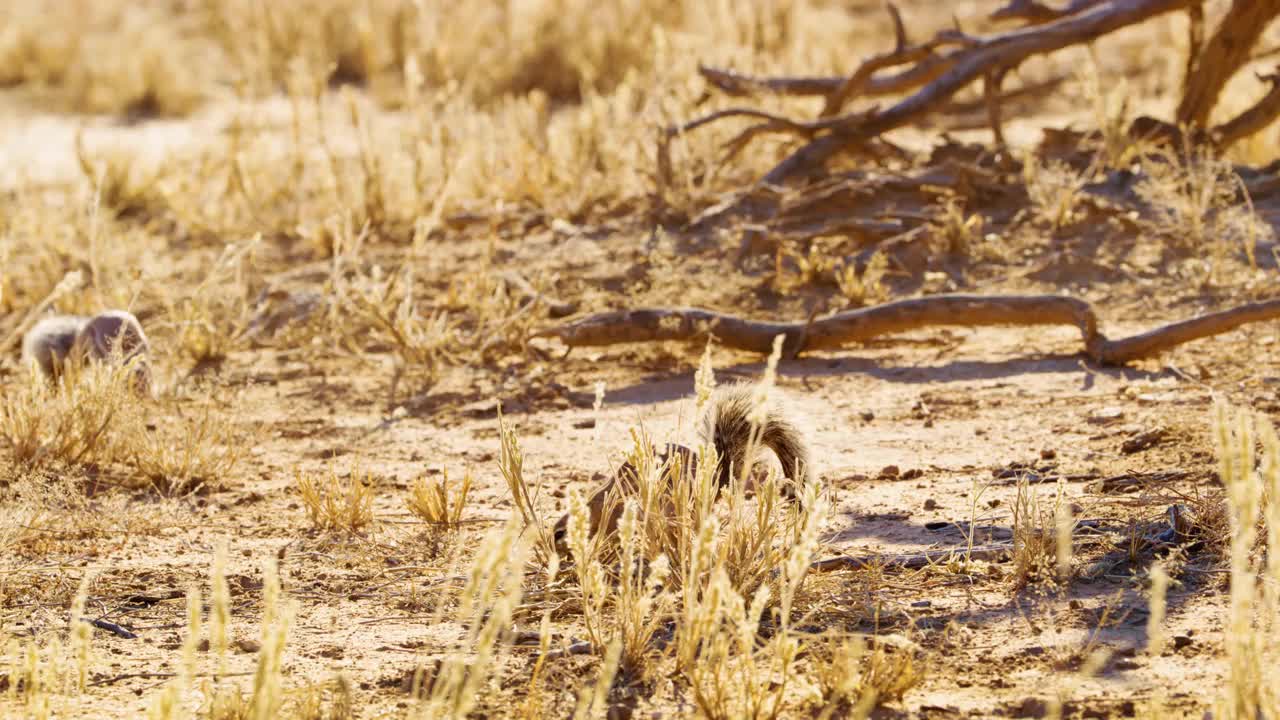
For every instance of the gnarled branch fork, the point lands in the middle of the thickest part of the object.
(938, 75)
(834, 331)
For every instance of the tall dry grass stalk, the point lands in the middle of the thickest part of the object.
(81, 635)
(523, 497)
(1155, 620)
(1253, 497)
(219, 607)
(486, 606)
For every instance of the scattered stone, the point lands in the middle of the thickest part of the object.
(1181, 641)
(867, 416)
(585, 424)
(889, 471)
(1048, 454)
(912, 474)
(1106, 415)
(1143, 441)
(1031, 707)
(930, 504)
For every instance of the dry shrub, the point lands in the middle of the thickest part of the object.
(193, 445)
(211, 319)
(855, 675)
(332, 700)
(1192, 205)
(333, 503)
(434, 503)
(1054, 188)
(959, 231)
(1042, 536)
(866, 287)
(93, 414)
(108, 57)
(79, 418)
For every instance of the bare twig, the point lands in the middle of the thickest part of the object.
(902, 54)
(114, 629)
(833, 331)
(912, 561)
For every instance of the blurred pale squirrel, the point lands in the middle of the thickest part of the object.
(734, 426)
(113, 335)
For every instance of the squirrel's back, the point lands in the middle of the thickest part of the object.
(736, 424)
(737, 421)
(55, 340)
(49, 342)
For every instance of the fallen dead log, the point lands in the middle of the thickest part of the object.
(851, 326)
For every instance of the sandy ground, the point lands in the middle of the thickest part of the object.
(911, 436)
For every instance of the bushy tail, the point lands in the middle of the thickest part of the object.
(733, 424)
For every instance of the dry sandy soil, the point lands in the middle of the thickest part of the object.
(914, 436)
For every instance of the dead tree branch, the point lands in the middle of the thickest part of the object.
(1227, 50)
(735, 84)
(1255, 119)
(1035, 13)
(834, 331)
(991, 54)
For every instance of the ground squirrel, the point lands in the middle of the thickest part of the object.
(114, 334)
(730, 422)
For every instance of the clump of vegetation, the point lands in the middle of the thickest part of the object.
(93, 414)
(1193, 206)
(436, 502)
(337, 503)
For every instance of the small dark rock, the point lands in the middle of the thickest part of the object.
(1031, 708)
(930, 504)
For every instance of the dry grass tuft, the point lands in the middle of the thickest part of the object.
(1042, 544)
(92, 414)
(1193, 207)
(434, 503)
(75, 419)
(334, 503)
(854, 679)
